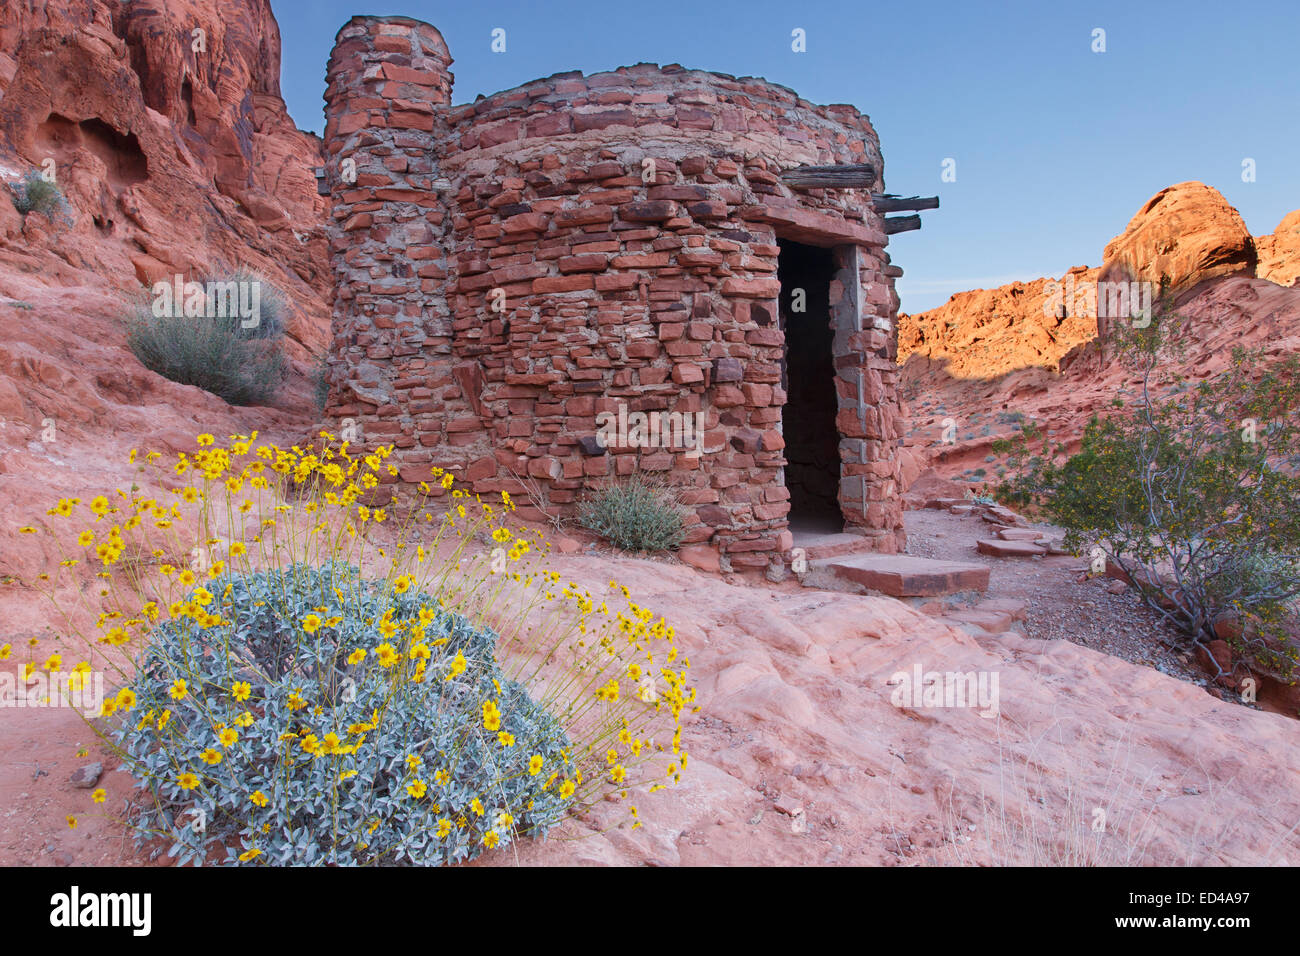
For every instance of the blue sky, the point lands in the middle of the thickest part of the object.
(1056, 146)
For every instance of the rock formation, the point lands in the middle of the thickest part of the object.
(1184, 234)
(173, 159)
(165, 130)
(1279, 251)
(989, 332)
(984, 361)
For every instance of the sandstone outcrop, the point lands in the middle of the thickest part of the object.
(164, 128)
(1184, 234)
(990, 332)
(801, 755)
(1279, 251)
(985, 361)
(172, 160)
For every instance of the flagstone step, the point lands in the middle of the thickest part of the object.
(904, 575)
(1008, 549)
(832, 545)
(1021, 534)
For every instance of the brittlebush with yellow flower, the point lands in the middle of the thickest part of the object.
(326, 671)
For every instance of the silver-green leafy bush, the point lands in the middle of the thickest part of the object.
(241, 364)
(227, 601)
(285, 744)
(634, 515)
(34, 193)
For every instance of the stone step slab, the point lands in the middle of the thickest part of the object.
(943, 504)
(907, 576)
(1020, 534)
(817, 547)
(1005, 515)
(998, 548)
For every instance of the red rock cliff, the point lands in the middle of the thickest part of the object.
(987, 359)
(174, 156)
(170, 139)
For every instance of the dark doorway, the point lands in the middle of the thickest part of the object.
(812, 471)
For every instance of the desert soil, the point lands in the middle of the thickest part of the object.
(1062, 601)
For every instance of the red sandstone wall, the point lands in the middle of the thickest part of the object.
(610, 285)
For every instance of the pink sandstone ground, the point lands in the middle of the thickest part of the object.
(799, 757)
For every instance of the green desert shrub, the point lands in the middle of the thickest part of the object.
(273, 304)
(388, 763)
(230, 344)
(635, 515)
(33, 193)
(1192, 489)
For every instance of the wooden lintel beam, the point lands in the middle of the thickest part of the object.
(843, 176)
(895, 224)
(888, 203)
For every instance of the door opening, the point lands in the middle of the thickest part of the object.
(812, 443)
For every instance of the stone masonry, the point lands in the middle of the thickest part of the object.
(506, 270)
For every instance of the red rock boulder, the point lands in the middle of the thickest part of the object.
(1279, 252)
(1186, 232)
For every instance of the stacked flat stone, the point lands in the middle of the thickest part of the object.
(507, 270)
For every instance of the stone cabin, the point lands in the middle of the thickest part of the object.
(518, 277)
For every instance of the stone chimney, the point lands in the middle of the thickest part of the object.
(388, 95)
